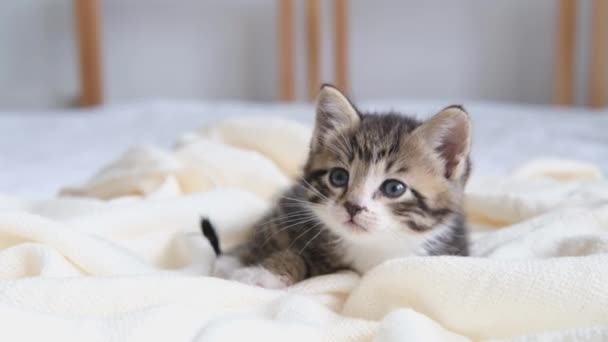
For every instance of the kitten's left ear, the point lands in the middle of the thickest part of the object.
(449, 134)
(335, 113)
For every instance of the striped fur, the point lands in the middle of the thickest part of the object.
(310, 232)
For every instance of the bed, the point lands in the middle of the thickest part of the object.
(120, 257)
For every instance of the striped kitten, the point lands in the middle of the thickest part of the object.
(375, 187)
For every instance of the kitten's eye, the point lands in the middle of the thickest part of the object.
(392, 188)
(338, 177)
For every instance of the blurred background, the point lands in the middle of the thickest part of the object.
(500, 50)
(82, 81)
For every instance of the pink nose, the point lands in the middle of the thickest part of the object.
(352, 208)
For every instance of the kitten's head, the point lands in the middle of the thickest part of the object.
(385, 174)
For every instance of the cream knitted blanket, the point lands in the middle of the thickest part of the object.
(122, 259)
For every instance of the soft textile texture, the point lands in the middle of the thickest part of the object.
(121, 257)
(83, 139)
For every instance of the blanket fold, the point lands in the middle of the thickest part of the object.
(121, 258)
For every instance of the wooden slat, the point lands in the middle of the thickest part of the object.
(341, 44)
(598, 55)
(87, 19)
(286, 50)
(313, 33)
(563, 92)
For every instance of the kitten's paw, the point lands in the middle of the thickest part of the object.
(259, 276)
(225, 265)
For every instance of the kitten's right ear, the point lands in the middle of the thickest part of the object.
(335, 113)
(449, 134)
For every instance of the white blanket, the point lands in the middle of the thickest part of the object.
(122, 259)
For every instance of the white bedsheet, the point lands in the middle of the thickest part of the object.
(40, 152)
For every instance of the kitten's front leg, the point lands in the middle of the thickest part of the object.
(230, 267)
(225, 265)
(279, 270)
(262, 277)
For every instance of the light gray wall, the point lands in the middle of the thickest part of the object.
(498, 50)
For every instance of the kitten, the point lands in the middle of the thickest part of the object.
(375, 187)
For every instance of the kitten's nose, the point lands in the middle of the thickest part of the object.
(352, 208)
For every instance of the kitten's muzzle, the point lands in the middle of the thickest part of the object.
(353, 209)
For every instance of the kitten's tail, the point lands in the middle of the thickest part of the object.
(211, 235)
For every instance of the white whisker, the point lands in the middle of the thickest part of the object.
(302, 234)
(309, 186)
(291, 216)
(285, 228)
(309, 241)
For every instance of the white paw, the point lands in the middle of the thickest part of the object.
(225, 265)
(259, 276)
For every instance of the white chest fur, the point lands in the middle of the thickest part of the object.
(365, 254)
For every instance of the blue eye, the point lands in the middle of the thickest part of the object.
(338, 177)
(392, 188)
